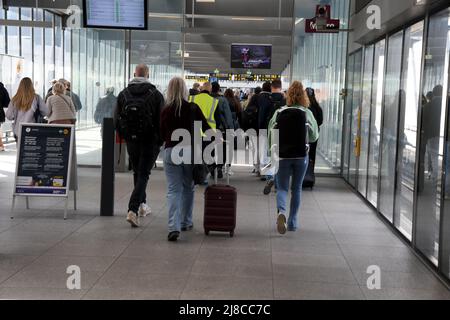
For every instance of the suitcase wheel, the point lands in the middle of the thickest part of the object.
(231, 234)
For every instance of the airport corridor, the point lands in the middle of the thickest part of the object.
(328, 258)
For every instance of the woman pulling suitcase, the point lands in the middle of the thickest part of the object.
(179, 114)
(297, 128)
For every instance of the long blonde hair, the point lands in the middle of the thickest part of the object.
(25, 95)
(176, 93)
(296, 95)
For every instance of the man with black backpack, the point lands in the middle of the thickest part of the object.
(137, 120)
(269, 101)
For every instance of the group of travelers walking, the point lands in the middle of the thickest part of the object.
(147, 122)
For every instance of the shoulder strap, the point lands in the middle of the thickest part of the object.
(65, 101)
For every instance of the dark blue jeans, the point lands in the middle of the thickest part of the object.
(142, 158)
(295, 169)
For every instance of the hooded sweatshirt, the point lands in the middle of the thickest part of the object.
(141, 87)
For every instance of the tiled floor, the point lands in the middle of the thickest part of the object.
(340, 237)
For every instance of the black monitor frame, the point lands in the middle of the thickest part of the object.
(251, 44)
(85, 24)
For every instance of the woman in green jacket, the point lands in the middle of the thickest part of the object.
(291, 130)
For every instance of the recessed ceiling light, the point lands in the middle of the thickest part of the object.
(164, 16)
(247, 19)
(210, 1)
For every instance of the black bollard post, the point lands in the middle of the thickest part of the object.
(107, 191)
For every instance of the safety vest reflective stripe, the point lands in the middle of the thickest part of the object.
(208, 106)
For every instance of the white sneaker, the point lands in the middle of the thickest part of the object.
(132, 219)
(2, 149)
(144, 210)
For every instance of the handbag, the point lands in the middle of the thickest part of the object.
(199, 171)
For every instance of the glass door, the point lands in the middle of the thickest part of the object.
(410, 98)
(348, 119)
(390, 125)
(356, 120)
(365, 119)
(444, 258)
(431, 149)
(375, 122)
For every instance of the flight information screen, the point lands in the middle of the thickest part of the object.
(115, 14)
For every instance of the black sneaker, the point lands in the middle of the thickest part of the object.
(268, 187)
(173, 236)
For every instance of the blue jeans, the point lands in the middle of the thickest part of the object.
(295, 168)
(180, 193)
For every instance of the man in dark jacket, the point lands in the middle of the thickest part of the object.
(4, 102)
(137, 119)
(195, 89)
(105, 106)
(75, 98)
(269, 100)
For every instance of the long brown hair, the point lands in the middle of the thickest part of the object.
(296, 95)
(25, 95)
(232, 99)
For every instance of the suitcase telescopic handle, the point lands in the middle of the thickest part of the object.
(216, 178)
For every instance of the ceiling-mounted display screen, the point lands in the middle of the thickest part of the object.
(115, 14)
(251, 56)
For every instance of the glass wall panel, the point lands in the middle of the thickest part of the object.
(27, 44)
(49, 66)
(390, 125)
(355, 119)
(67, 54)
(13, 33)
(348, 118)
(38, 52)
(409, 103)
(2, 33)
(319, 61)
(365, 119)
(375, 122)
(432, 136)
(59, 50)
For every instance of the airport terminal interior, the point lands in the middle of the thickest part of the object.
(380, 70)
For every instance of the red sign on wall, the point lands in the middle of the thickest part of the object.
(322, 22)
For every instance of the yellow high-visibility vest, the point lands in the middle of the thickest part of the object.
(208, 105)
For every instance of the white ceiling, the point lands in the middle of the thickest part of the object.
(215, 26)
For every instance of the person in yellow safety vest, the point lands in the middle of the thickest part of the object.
(207, 104)
(217, 113)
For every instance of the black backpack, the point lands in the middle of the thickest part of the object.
(135, 120)
(292, 127)
(275, 106)
(250, 115)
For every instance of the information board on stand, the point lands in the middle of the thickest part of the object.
(44, 162)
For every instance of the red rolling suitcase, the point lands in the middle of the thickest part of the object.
(220, 208)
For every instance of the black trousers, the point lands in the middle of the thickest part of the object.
(142, 158)
(313, 152)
